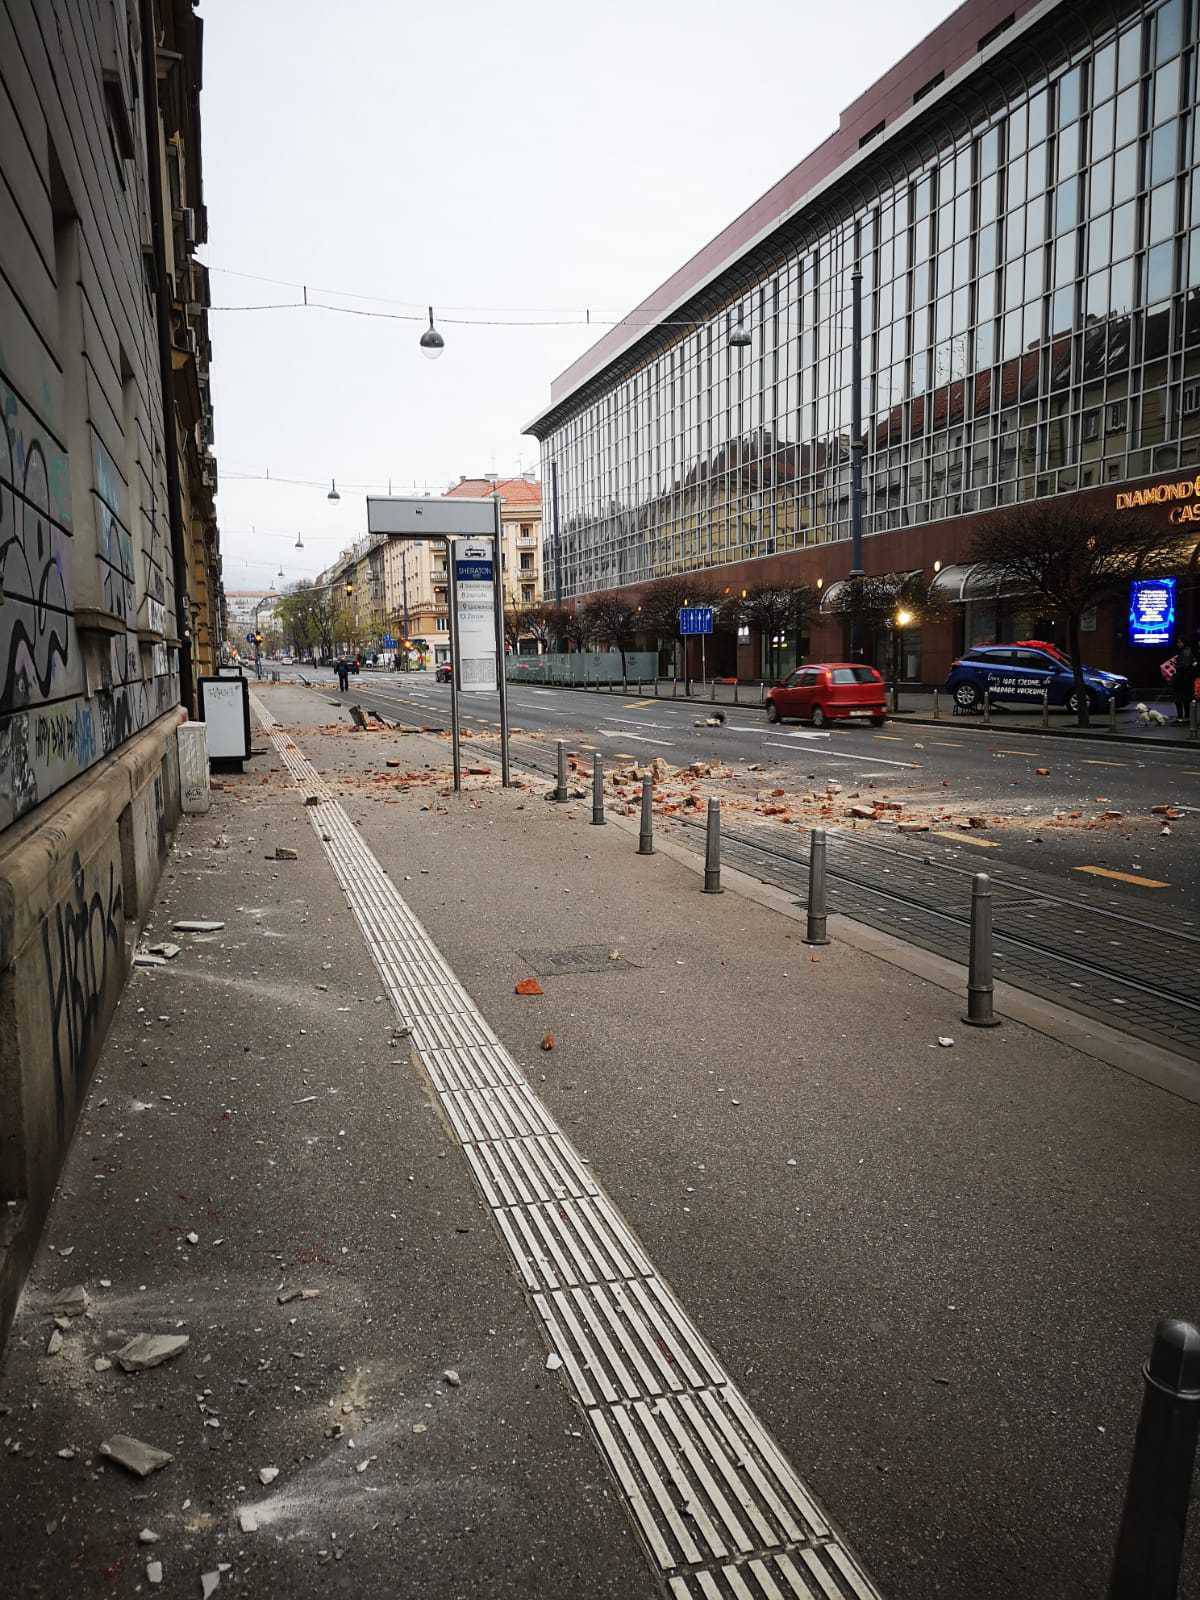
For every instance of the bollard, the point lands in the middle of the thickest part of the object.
(712, 850)
(1045, 708)
(937, 709)
(1154, 1518)
(987, 708)
(735, 691)
(597, 791)
(818, 910)
(1195, 719)
(979, 978)
(560, 791)
(761, 691)
(646, 833)
(1112, 713)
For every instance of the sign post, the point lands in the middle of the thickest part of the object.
(697, 620)
(476, 577)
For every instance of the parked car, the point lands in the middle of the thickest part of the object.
(830, 691)
(1019, 674)
(444, 672)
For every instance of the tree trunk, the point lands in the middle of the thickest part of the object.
(1077, 668)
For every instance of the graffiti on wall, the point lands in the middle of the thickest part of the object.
(83, 940)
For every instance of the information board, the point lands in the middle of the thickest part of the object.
(1151, 611)
(476, 616)
(695, 619)
(225, 710)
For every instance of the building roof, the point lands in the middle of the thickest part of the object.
(973, 32)
(516, 491)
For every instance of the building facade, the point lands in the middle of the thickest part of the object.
(109, 559)
(521, 533)
(1021, 196)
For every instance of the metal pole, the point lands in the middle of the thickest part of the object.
(646, 833)
(937, 710)
(735, 691)
(560, 788)
(404, 548)
(453, 620)
(979, 977)
(1196, 719)
(1154, 1519)
(818, 909)
(703, 666)
(501, 658)
(1045, 708)
(1112, 713)
(987, 708)
(712, 850)
(598, 818)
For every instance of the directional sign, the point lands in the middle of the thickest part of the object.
(249, 638)
(388, 642)
(476, 614)
(696, 619)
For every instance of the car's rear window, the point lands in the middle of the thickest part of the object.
(853, 675)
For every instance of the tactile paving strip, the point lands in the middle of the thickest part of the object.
(721, 1512)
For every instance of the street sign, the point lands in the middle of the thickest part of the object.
(388, 642)
(695, 619)
(476, 616)
(249, 638)
(1151, 611)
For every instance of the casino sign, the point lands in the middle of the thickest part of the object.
(1183, 496)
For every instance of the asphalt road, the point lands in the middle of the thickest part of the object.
(973, 769)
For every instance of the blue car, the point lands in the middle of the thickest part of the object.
(1019, 675)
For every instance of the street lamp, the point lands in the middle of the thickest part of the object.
(432, 343)
(739, 337)
(903, 619)
(299, 543)
(333, 494)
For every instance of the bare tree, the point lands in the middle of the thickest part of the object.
(516, 625)
(616, 623)
(889, 602)
(775, 610)
(577, 627)
(659, 611)
(1072, 555)
(542, 624)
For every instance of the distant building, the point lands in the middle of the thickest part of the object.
(521, 527)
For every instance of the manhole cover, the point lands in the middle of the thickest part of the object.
(576, 958)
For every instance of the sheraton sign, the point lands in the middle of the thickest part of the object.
(1183, 497)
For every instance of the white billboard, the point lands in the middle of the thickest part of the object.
(416, 517)
(474, 579)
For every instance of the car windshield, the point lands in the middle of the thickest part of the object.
(853, 675)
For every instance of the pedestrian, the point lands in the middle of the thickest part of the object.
(1182, 682)
(342, 668)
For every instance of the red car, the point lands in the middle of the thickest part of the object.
(443, 673)
(830, 691)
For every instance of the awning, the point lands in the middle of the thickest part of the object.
(977, 581)
(831, 598)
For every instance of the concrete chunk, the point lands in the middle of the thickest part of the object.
(192, 925)
(72, 1302)
(133, 1454)
(147, 1350)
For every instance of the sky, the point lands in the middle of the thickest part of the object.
(526, 161)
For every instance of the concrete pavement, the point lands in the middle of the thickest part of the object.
(932, 1269)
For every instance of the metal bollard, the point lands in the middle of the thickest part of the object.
(818, 909)
(1045, 708)
(560, 791)
(646, 832)
(762, 689)
(1154, 1518)
(656, 685)
(712, 850)
(597, 791)
(980, 984)
(735, 691)
(1112, 713)
(1195, 714)
(937, 708)
(987, 708)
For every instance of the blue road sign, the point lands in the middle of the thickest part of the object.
(388, 642)
(249, 638)
(695, 619)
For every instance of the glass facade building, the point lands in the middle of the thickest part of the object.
(1027, 227)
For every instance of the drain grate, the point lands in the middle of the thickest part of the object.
(578, 958)
(720, 1510)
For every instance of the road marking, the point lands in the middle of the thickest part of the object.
(955, 744)
(895, 738)
(1090, 761)
(637, 705)
(1125, 877)
(796, 733)
(638, 722)
(964, 838)
(624, 733)
(702, 1480)
(836, 755)
(1018, 752)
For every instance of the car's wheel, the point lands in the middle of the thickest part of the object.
(818, 718)
(878, 722)
(1073, 703)
(772, 712)
(967, 696)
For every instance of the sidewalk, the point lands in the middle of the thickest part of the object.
(932, 1271)
(919, 706)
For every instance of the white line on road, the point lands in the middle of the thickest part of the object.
(840, 755)
(660, 1405)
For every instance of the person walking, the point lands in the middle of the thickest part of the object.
(342, 668)
(1187, 666)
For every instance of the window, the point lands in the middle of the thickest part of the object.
(871, 133)
(854, 675)
(1191, 399)
(993, 34)
(1116, 415)
(919, 94)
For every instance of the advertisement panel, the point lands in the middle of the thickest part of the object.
(1152, 611)
(476, 616)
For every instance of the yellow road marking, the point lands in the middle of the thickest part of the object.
(964, 838)
(894, 738)
(637, 705)
(1016, 752)
(1090, 761)
(949, 743)
(1124, 877)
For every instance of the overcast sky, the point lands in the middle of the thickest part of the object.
(528, 159)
